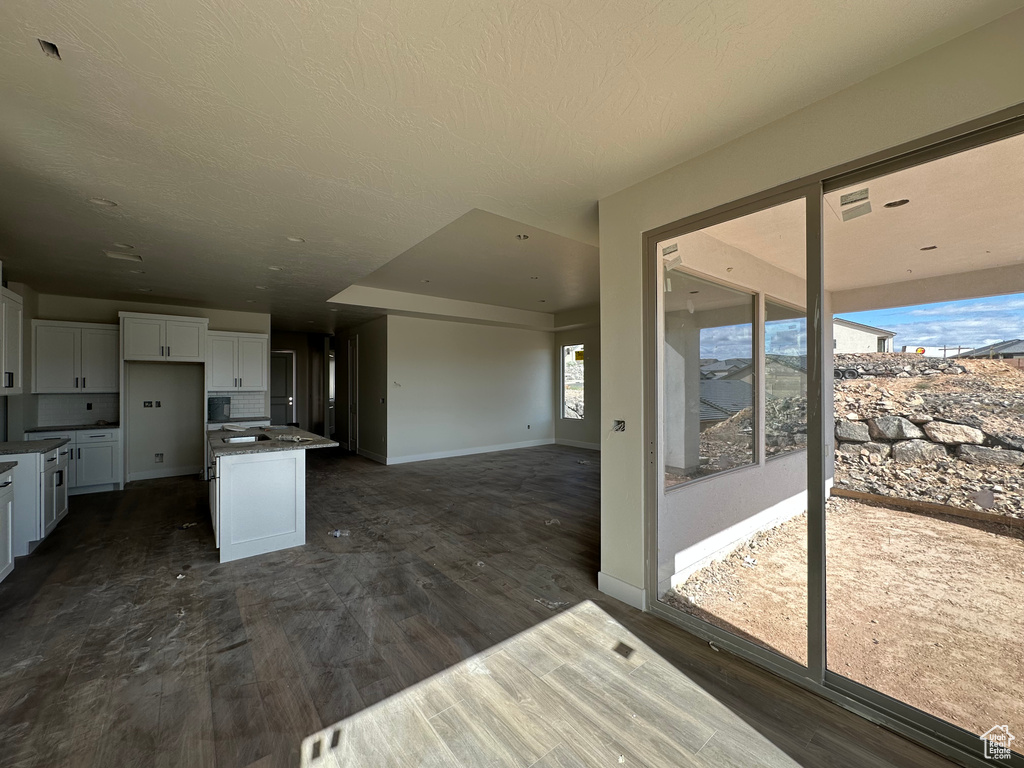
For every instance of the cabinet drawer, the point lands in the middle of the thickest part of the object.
(50, 458)
(96, 436)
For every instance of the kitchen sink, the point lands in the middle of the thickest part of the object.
(245, 439)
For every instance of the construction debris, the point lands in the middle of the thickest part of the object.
(338, 533)
(553, 605)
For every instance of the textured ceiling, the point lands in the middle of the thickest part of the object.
(220, 127)
(969, 206)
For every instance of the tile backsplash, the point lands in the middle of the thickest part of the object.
(245, 405)
(67, 410)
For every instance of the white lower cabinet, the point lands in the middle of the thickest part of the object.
(41, 495)
(94, 459)
(6, 520)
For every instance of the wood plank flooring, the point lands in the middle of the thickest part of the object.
(124, 642)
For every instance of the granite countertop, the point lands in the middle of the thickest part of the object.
(32, 446)
(76, 427)
(7, 466)
(219, 449)
(241, 420)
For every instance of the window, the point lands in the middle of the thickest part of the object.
(785, 379)
(572, 381)
(709, 378)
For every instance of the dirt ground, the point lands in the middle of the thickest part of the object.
(925, 609)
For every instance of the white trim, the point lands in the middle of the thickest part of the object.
(373, 456)
(578, 444)
(621, 590)
(154, 474)
(469, 451)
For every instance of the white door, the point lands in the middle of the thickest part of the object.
(221, 362)
(144, 338)
(252, 363)
(101, 370)
(13, 336)
(96, 464)
(48, 495)
(55, 359)
(186, 342)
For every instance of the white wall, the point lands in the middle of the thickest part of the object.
(174, 429)
(969, 77)
(457, 388)
(585, 432)
(855, 340)
(372, 374)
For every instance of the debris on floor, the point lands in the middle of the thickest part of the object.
(552, 521)
(552, 605)
(186, 526)
(479, 563)
(338, 533)
(749, 562)
(583, 461)
(180, 576)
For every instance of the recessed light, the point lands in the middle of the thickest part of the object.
(123, 256)
(261, 287)
(534, 277)
(929, 248)
(250, 301)
(275, 269)
(310, 322)
(138, 271)
(694, 291)
(910, 271)
(522, 237)
(424, 281)
(542, 301)
(334, 310)
(144, 290)
(896, 203)
(125, 246)
(102, 201)
(293, 239)
(49, 49)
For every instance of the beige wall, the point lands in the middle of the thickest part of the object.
(456, 388)
(82, 310)
(585, 432)
(849, 339)
(174, 429)
(966, 78)
(372, 373)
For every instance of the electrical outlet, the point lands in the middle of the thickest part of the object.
(88, 406)
(527, 426)
(157, 403)
(147, 403)
(158, 458)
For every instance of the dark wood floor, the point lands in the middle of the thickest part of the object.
(124, 642)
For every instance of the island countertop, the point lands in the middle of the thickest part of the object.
(33, 446)
(220, 449)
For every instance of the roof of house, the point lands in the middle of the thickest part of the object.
(1012, 347)
(862, 327)
(722, 398)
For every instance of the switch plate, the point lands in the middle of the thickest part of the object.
(157, 403)
(147, 403)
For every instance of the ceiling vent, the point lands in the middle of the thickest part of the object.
(49, 49)
(858, 210)
(853, 197)
(123, 256)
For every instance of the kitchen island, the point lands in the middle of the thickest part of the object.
(258, 489)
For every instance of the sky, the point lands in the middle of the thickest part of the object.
(970, 323)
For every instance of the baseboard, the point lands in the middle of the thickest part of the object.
(620, 590)
(373, 456)
(155, 474)
(103, 488)
(579, 444)
(468, 451)
(341, 443)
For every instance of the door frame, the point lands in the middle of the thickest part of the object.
(353, 394)
(929, 730)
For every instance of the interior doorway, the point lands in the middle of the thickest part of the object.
(353, 394)
(282, 387)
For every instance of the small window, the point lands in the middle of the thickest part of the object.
(881, 343)
(572, 381)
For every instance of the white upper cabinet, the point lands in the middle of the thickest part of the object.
(236, 362)
(166, 338)
(252, 362)
(74, 357)
(13, 342)
(100, 359)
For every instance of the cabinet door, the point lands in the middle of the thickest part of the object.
(6, 539)
(13, 335)
(101, 370)
(215, 511)
(55, 359)
(67, 456)
(96, 464)
(144, 339)
(60, 493)
(48, 497)
(186, 341)
(252, 363)
(221, 362)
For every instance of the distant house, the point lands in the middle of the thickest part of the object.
(721, 399)
(785, 375)
(848, 336)
(1002, 350)
(719, 369)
